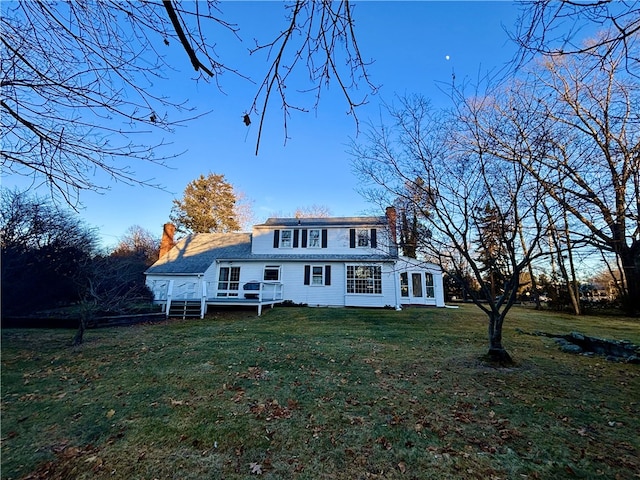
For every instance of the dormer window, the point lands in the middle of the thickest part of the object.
(363, 238)
(286, 238)
(314, 239)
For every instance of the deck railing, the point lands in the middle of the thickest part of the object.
(267, 293)
(270, 291)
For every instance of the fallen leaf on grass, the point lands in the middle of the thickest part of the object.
(255, 468)
(110, 413)
(386, 444)
(176, 403)
(402, 467)
(94, 459)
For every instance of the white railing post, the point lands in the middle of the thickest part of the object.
(169, 295)
(203, 299)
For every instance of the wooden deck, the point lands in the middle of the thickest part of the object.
(195, 308)
(254, 294)
(244, 302)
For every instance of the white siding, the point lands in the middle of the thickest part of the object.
(314, 295)
(292, 277)
(337, 242)
(336, 293)
(294, 289)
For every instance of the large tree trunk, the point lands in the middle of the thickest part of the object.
(497, 353)
(630, 259)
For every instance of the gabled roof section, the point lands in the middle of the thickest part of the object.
(195, 253)
(324, 222)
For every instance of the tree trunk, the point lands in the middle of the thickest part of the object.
(85, 317)
(497, 353)
(630, 260)
(572, 283)
(79, 336)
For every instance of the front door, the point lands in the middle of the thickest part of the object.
(411, 288)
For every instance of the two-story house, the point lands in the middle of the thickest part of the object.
(336, 262)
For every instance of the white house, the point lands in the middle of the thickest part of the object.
(336, 262)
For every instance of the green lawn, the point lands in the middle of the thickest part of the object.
(319, 393)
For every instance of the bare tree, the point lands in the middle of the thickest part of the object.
(110, 285)
(560, 28)
(587, 110)
(312, 211)
(316, 34)
(562, 253)
(460, 178)
(138, 242)
(79, 79)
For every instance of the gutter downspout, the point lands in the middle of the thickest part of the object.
(396, 286)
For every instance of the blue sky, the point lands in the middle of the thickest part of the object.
(409, 43)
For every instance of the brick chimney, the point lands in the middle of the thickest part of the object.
(392, 220)
(167, 242)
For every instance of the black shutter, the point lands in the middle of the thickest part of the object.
(307, 274)
(324, 238)
(296, 237)
(352, 238)
(327, 274)
(374, 238)
(276, 238)
(304, 238)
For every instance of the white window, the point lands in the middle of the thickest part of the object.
(430, 291)
(317, 276)
(314, 239)
(229, 281)
(271, 273)
(404, 284)
(286, 238)
(366, 279)
(363, 238)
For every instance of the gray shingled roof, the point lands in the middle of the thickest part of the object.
(195, 253)
(324, 222)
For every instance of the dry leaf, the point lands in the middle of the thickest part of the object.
(402, 467)
(255, 468)
(110, 413)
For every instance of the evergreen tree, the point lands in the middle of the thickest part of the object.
(209, 205)
(490, 247)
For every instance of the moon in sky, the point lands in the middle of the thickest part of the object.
(446, 57)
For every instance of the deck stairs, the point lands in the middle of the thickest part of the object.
(185, 309)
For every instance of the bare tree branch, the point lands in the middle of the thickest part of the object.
(561, 28)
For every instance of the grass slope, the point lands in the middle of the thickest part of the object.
(319, 394)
